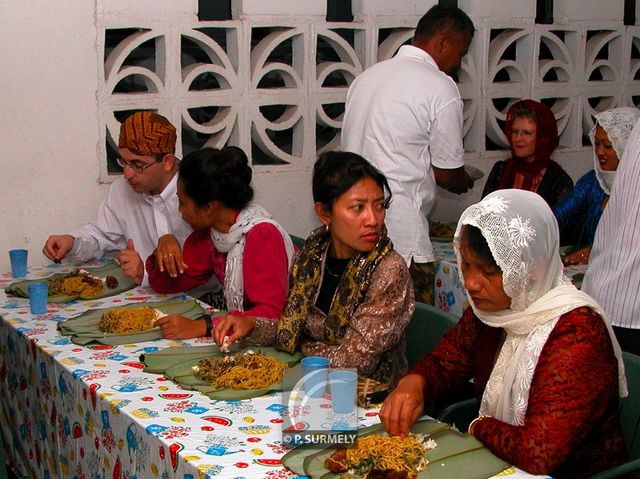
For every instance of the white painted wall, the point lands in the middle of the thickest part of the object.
(50, 180)
(49, 114)
(48, 120)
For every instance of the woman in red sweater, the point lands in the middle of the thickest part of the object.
(233, 238)
(542, 354)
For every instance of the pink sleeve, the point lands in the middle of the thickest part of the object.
(197, 253)
(265, 271)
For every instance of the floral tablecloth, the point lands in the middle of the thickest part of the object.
(449, 292)
(90, 412)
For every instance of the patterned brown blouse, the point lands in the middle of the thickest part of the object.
(374, 343)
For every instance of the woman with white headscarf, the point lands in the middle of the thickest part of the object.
(542, 355)
(578, 213)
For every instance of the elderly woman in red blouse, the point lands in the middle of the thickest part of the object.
(233, 238)
(542, 354)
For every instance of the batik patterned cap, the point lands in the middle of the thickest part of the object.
(147, 133)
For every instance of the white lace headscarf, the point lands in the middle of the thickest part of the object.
(522, 234)
(233, 242)
(617, 123)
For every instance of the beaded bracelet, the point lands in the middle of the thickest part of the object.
(209, 325)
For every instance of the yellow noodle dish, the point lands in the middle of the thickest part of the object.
(249, 370)
(382, 456)
(80, 283)
(127, 320)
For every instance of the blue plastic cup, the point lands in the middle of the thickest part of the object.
(38, 297)
(18, 259)
(344, 385)
(316, 370)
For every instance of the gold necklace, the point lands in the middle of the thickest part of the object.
(335, 275)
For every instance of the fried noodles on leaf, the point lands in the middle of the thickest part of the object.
(249, 370)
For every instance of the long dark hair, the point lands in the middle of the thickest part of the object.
(217, 175)
(336, 171)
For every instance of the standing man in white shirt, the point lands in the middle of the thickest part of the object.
(405, 116)
(613, 274)
(141, 206)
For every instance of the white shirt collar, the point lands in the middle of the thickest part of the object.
(167, 194)
(411, 51)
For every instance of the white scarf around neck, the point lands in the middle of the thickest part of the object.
(233, 243)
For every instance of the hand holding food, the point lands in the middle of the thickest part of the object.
(231, 328)
(57, 247)
(403, 406)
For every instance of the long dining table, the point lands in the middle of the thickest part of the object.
(70, 411)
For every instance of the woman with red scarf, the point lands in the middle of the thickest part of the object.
(532, 133)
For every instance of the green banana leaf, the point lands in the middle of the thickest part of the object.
(456, 455)
(182, 372)
(158, 362)
(20, 288)
(83, 329)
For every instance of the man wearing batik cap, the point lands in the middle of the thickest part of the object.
(141, 206)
